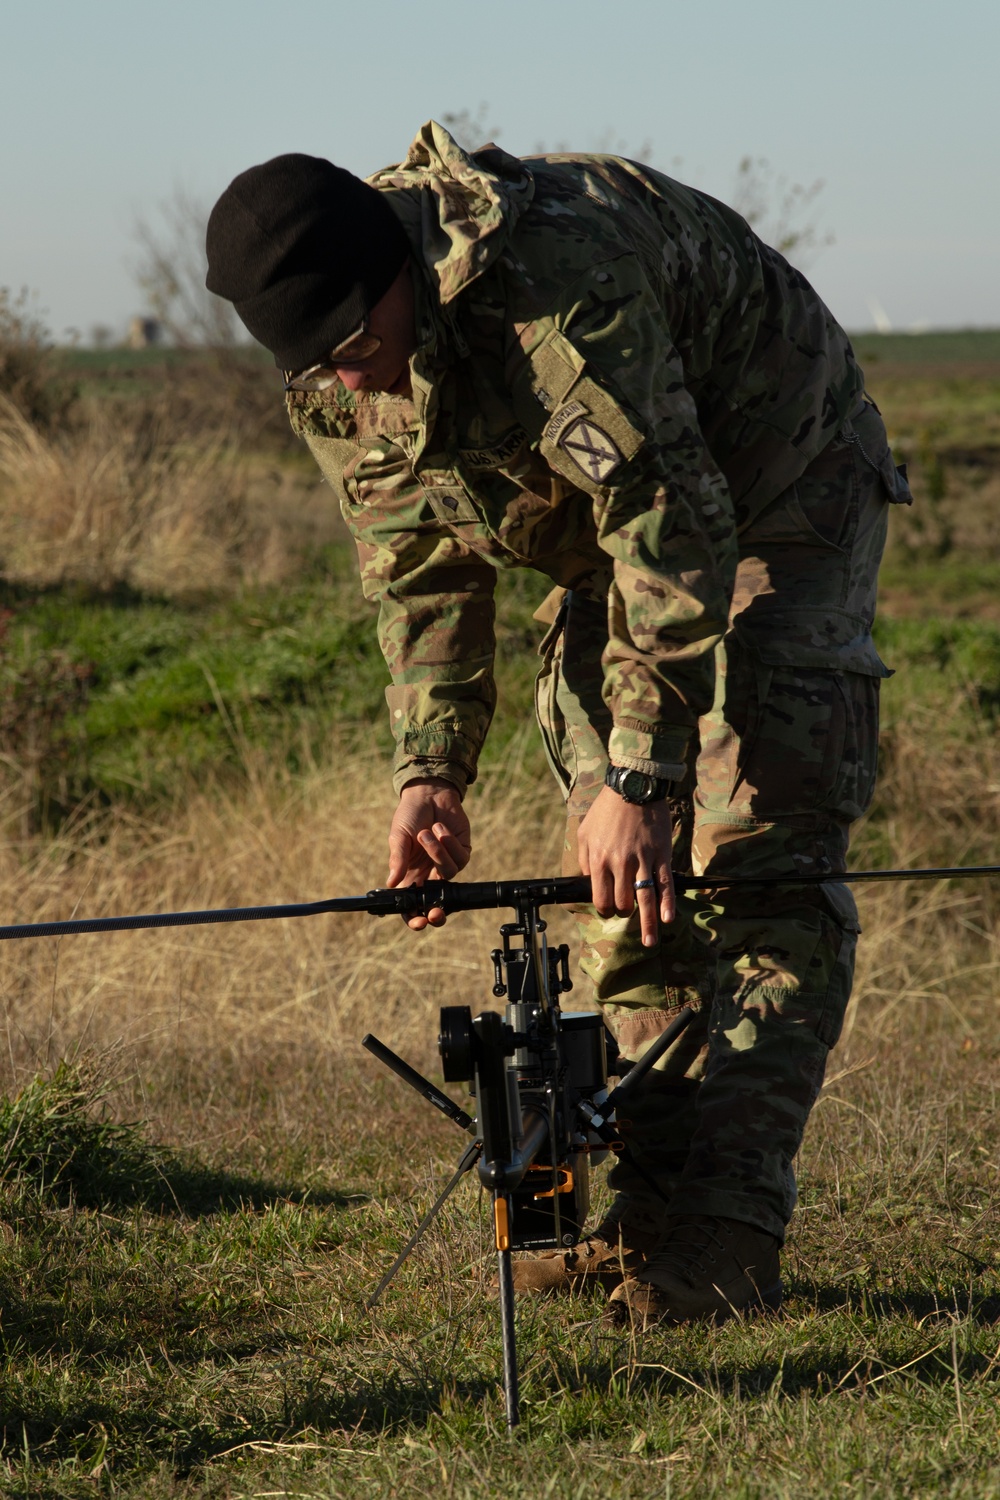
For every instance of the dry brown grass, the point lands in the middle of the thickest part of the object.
(241, 996)
(260, 999)
(108, 502)
(928, 960)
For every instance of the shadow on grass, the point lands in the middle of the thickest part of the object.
(92, 1337)
(622, 1371)
(957, 1300)
(146, 1432)
(195, 1191)
(160, 1183)
(59, 1145)
(117, 595)
(158, 1428)
(397, 1406)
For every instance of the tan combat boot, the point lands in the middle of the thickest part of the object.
(706, 1268)
(616, 1248)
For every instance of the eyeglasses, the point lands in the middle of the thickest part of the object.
(357, 346)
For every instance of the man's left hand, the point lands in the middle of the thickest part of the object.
(621, 843)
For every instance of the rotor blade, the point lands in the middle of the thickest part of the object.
(184, 918)
(452, 896)
(844, 877)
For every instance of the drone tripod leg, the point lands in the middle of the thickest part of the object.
(469, 1159)
(505, 1277)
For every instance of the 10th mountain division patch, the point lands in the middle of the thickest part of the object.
(590, 448)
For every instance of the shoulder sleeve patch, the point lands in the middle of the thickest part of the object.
(589, 436)
(590, 448)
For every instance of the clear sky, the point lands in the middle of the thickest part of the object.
(108, 106)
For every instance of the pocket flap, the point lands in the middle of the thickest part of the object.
(810, 636)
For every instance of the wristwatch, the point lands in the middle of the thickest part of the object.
(636, 786)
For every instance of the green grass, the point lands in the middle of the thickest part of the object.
(945, 345)
(123, 697)
(941, 660)
(189, 1346)
(140, 372)
(940, 347)
(951, 587)
(61, 1147)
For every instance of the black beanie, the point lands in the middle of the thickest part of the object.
(303, 250)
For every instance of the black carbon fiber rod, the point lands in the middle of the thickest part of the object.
(176, 919)
(423, 1086)
(460, 895)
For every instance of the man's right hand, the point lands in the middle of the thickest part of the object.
(429, 839)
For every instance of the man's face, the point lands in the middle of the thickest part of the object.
(392, 319)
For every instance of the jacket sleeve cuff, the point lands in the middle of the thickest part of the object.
(436, 750)
(419, 770)
(655, 750)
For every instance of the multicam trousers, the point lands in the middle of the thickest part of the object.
(783, 764)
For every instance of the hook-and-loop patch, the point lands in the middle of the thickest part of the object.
(588, 435)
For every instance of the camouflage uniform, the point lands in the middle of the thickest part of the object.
(617, 384)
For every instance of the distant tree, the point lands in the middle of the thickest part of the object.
(170, 272)
(774, 207)
(470, 130)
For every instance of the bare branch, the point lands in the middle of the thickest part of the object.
(773, 207)
(170, 272)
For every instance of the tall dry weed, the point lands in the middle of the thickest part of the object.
(117, 499)
(30, 377)
(929, 956)
(234, 999)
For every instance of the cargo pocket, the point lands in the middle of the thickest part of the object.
(556, 741)
(802, 701)
(866, 433)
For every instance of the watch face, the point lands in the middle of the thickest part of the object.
(635, 786)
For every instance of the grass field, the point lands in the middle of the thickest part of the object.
(203, 1175)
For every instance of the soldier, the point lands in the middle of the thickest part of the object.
(576, 364)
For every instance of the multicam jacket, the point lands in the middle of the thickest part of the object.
(614, 377)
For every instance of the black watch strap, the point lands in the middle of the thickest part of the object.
(636, 786)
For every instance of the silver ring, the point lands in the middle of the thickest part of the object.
(645, 885)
